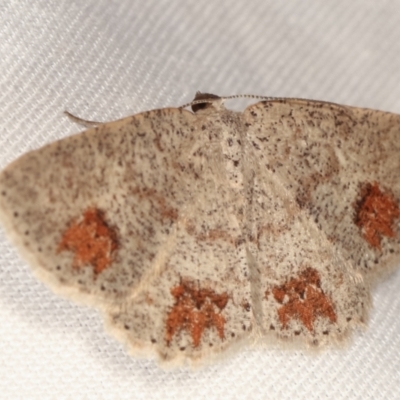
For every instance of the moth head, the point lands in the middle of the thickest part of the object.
(207, 101)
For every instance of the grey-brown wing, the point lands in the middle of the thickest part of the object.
(304, 291)
(91, 212)
(133, 217)
(342, 165)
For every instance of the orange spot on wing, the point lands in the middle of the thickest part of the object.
(302, 298)
(195, 310)
(92, 241)
(376, 213)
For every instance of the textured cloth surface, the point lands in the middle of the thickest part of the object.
(103, 60)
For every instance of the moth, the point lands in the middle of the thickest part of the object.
(196, 232)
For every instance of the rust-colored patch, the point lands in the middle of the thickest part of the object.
(195, 310)
(376, 213)
(92, 241)
(302, 298)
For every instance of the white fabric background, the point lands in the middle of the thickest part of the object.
(104, 59)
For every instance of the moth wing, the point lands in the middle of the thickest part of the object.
(135, 217)
(92, 213)
(304, 292)
(342, 164)
(199, 304)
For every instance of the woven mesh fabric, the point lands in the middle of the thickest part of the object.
(103, 59)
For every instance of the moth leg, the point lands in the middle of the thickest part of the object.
(83, 122)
